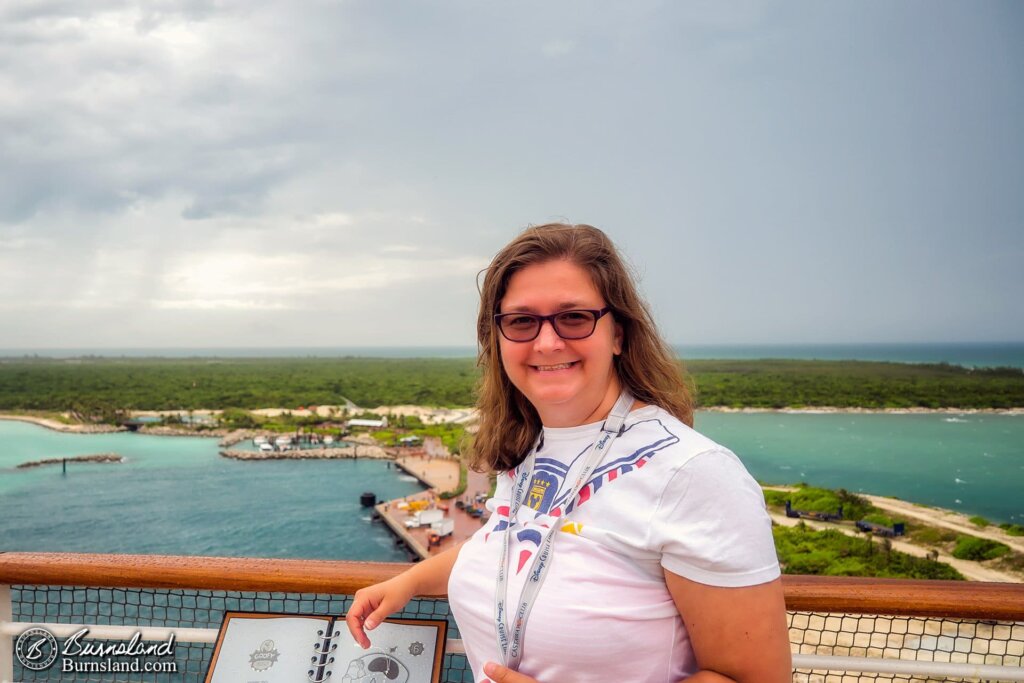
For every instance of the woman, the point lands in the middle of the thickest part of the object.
(622, 545)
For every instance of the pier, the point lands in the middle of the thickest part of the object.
(439, 475)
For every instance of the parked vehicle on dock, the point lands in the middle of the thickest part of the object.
(443, 528)
(424, 518)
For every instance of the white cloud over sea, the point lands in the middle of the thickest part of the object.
(201, 173)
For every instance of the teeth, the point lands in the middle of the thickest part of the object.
(560, 366)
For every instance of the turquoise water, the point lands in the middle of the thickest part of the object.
(968, 463)
(977, 354)
(176, 495)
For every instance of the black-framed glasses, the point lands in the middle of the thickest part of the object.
(578, 323)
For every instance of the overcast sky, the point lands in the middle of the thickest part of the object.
(271, 173)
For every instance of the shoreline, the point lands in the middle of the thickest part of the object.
(467, 415)
(56, 426)
(930, 515)
(829, 410)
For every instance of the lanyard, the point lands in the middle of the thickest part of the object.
(511, 647)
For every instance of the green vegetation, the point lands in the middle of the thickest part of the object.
(94, 385)
(814, 499)
(979, 521)
(796, 383)
(463, 483)
(1012, 529)
(972, 548)
(453, 436)
(804, 552)
(832, 553)
(879, 518)
(102, 387)
(929, 535)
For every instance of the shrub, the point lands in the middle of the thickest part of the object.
(979, 521)
(830, 552)
(973, 548)
(932, 535)
(878, 518)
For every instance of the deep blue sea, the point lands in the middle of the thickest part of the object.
(971, 354)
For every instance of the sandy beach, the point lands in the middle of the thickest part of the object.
(62, 427)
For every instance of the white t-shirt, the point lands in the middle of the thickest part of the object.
(663, 497)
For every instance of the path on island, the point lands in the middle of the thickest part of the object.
(972, 571)
(937, 517)
(947, 519)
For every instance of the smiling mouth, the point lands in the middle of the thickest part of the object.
(559, 366)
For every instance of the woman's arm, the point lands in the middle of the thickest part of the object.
(738, 634)
(371, 605)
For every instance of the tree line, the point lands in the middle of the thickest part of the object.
(109, 385)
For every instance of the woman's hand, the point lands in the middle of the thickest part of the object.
(503, 674)
(373, 604)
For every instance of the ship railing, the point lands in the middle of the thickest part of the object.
(841, 628)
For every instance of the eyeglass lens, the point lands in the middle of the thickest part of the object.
(568, 325)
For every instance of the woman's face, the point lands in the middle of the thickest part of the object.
(569, 382)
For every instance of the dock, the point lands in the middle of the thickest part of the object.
(439, 475)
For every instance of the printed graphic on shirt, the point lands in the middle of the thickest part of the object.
(548, 490)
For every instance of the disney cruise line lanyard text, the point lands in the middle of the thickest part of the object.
(511, 646)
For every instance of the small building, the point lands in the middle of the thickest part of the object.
(435, 448)
(411, 440)
(382, 423)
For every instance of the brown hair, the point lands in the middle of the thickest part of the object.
(509, 424)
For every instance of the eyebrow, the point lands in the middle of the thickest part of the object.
(567, 306)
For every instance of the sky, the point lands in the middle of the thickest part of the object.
(194, 173)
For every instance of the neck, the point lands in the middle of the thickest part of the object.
(572, 416)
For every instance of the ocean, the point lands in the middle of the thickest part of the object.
(176, 495)
(969, 354)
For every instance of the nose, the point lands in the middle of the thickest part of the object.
(547, 339)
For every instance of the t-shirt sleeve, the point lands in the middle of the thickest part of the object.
(502, 491)
(711, 524)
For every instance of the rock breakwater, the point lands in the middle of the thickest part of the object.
(98, 457)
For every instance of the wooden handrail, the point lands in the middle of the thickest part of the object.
(175, 571)
(852, 595)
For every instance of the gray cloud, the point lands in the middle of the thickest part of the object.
(778, 172)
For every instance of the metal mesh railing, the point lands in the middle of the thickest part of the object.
(841, 629)
(183, 609)
(908, 639)
(884, 637)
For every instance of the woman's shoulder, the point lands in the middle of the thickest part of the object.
(654, 422)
